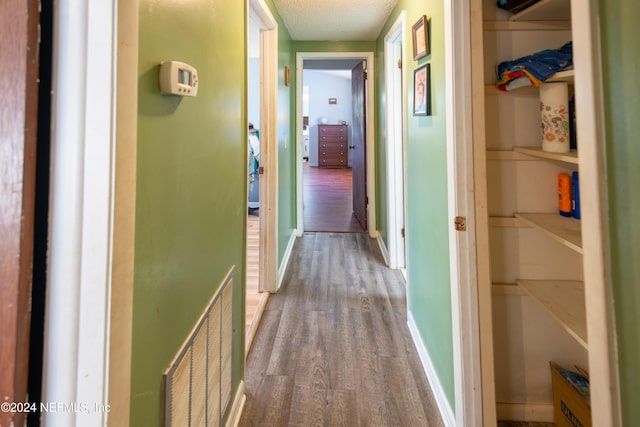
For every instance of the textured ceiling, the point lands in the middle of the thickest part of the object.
(334, 19)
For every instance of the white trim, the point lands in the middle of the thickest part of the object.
(285, 259)
(396, 137)
(370, 131)
(383, 248)
(601, 325)
(439, 394)
(233, 420)
(260, 13)
(525, 412)
(76, 363)
(462, 245)
(482, 243)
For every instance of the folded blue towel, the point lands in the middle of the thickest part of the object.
(541, 65)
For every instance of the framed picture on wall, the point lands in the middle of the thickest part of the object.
(420, 38)
(422, 91)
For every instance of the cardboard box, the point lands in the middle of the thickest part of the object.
(570, 408)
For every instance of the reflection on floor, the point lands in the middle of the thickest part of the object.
(328, 200)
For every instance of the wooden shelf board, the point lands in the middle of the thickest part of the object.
(508, 155)
(566, 76)
(506, 222)
(562, 76)
(511, 289)
(545, 10)
(564, 230)
(526, 26)
(491, 89)
(564, 301)
(571, 157)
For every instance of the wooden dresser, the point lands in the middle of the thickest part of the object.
(333, 146)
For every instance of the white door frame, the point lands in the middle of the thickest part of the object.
(395, 144)
(76, 360)
(260, 13)
(462, 245)
(601, 324)
(370, 133)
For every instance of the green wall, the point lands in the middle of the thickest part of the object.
(428, 280)
(191, 187)
(621, 64)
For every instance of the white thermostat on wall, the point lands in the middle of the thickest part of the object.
(178, 78)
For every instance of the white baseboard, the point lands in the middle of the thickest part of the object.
(285, 260)
(448, 417)
(383, 248)
(236, 408)
(542, 412)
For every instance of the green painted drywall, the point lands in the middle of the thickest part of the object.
(428, 279)
(333, 46)
(621, 64)
(191, 187)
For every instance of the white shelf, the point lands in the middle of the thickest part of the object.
(526, 26)
(507, 155)
(506, 222)
(564, 301)
(545, 10)
(507, 289)
(570, 157)
(561, 76)
(564, 230)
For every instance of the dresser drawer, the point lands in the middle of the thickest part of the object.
(332, 145)
(332, 160)
(332, 130)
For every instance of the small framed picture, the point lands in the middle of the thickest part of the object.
(420, 38)
(286, 75)
(422, 91)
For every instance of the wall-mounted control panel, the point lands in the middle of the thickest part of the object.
(178, 78)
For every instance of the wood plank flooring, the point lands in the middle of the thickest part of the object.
(255, 300)
(328, 200)
(333, 347)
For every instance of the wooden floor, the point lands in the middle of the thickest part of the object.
(333, 347)
(328, 200)
(254, 299)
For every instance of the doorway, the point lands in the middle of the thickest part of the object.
(395, 75)
(333, 61)
(261, 242)
(327, 134)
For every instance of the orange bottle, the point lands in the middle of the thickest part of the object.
(564, 194)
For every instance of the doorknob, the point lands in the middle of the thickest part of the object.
(352, 147)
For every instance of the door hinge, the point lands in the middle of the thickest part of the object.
(366, 200)
(260, 170)
(402, 232)
(364, 75)
(400, 63)
(461, 223)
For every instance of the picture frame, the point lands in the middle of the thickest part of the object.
(420, 35)
(333, 100)
(422, 91)
(286, 76)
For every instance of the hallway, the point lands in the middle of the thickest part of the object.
(333, 347)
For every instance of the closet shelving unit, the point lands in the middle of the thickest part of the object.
(535, 253)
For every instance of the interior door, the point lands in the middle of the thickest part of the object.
(19, 41)
(358, 143)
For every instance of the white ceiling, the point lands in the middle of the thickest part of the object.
(334, 19)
